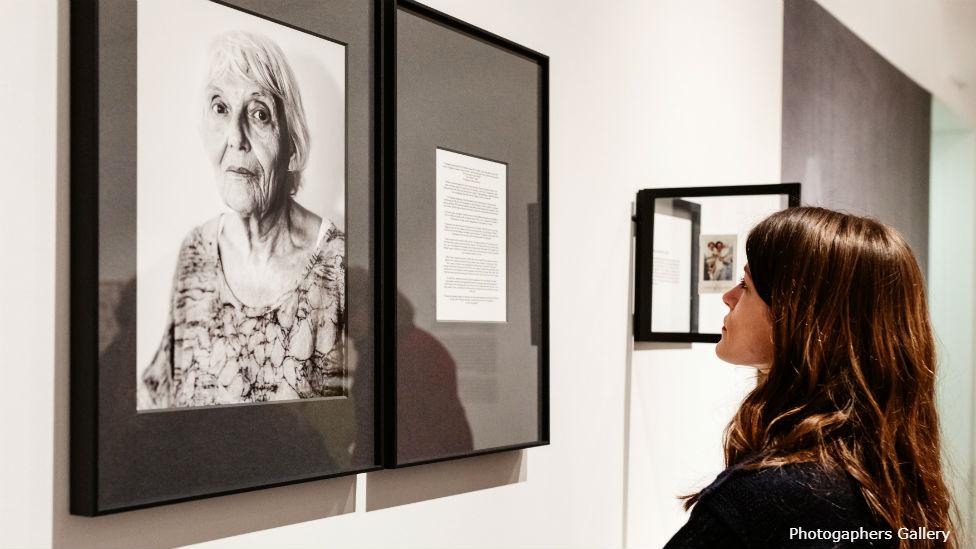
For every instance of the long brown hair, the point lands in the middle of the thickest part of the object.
(852, 381)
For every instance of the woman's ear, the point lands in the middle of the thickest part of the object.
(292, 159)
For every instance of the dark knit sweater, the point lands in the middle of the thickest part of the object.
(756, 509)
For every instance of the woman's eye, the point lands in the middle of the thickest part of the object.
(261, 115)
(218, 108)
(742, 283)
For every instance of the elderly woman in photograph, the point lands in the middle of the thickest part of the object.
(258, 304)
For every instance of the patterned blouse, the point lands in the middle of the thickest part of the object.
(217, 350)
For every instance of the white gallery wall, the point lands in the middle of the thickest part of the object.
(29, 143)
(952, 299)
(710, 103)
(643, 93)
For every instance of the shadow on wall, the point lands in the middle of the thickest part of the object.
(393, 487)
(431, 421)
(213, 518)
(186, 523)
(219, 517)
(172, 525)
(196, 521)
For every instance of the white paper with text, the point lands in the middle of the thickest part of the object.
(471, 232)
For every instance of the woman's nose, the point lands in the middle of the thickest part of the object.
(731, 297)
(236, 136)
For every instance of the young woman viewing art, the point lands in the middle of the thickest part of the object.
(838, 444)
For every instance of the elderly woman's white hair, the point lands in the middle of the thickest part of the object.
(257, 58)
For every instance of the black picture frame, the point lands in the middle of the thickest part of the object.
(400, 185)
(644, 256)
(112, 446)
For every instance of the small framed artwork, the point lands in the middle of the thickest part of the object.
(465, 267)
(222, 248)
(690, 250)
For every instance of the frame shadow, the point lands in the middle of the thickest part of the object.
(394, 487)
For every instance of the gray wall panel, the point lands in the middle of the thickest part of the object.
(855, 129)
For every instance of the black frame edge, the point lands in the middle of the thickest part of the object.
(195, 497)
(385, 279)
(477, 453)
(544, 247)
(83, 262)
(644, 232)
(442, 18)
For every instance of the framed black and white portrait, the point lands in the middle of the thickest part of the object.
(222, 247)
(240, 252)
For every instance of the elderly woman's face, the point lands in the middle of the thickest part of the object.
(243, 132)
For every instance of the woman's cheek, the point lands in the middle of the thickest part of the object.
(266, 151)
